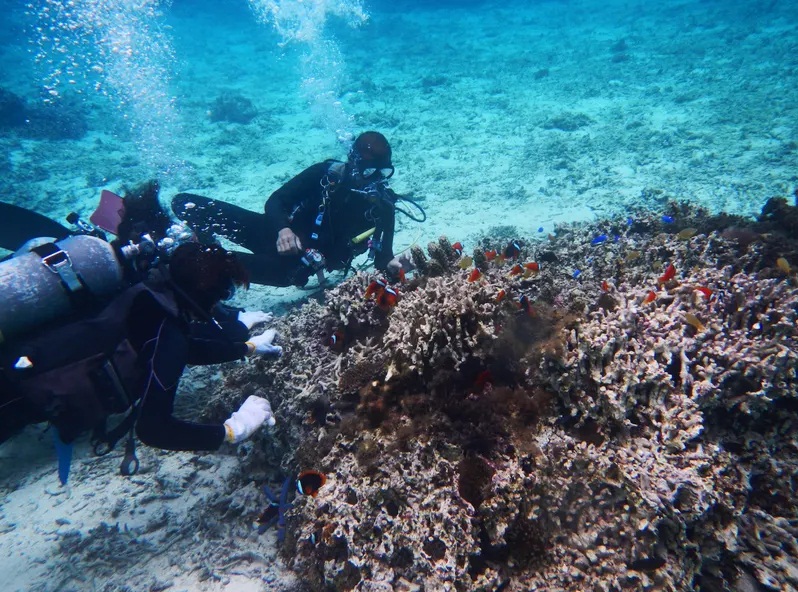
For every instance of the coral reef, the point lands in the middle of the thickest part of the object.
(610, 408)
(232, 108)
(64, 119)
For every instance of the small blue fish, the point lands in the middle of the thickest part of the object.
(629, 221)
(540, 229)
(667, 219)
(599, 239)
(577, 273)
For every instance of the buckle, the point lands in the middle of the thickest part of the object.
(56, 260)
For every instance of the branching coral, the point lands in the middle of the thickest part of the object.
(541, 422)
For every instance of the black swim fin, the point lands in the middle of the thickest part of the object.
(18, 225)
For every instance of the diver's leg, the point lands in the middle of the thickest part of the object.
(208, 216)
(18, 225)
(16, 412)
(275, 270)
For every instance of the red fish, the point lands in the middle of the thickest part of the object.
(500, 295)
(605, 286)
(402, 275)
(650, 297)
(516, 270)
(532, 266)
(482, 379)
(388, 298)
(309, 482)
(512, 250)
(458, 248)
(375, 288)
(491, 255)
(670, 273)
(705, 291)
(474, 275)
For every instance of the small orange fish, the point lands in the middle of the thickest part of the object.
(474, 275)
(694, 322)
(458, 248)
(605, 286)
(491, 255)
(705, 291)
(650, 297)
(670, 273)
(783, 265)
(532, 266)
(500, 295)
(388, 298)
(375, 288)
(516, 270)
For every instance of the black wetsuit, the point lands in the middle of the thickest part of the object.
(295, 205)
(165, 345)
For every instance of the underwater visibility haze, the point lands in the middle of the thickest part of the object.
(588, 381)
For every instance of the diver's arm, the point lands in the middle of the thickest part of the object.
(385, 254)
(203, 352)
(282, 203)
(165, 357)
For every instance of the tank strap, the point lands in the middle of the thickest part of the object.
(59, 263)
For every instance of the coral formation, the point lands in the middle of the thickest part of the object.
(232, 108)
(541, 422)
(64, 119)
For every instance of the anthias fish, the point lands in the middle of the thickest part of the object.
(670, 273)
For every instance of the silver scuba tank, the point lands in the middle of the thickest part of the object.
(46, 279)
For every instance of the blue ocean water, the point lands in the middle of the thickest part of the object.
(542, 111)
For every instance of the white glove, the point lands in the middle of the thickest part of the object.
(253, 317)
(249, 417)
(262, 343)
(403, 261)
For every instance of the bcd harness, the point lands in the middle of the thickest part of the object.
(81, 373)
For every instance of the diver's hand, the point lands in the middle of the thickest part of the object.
(250, 416)
(262, 344)
(288, 243)
(250, 318)
(401, 262)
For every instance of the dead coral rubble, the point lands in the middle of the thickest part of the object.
(549, 430)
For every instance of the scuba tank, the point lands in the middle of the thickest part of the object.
(45, 280)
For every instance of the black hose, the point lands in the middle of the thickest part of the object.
(421, 218)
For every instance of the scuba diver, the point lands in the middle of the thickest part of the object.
(321, 219)
(91, 329)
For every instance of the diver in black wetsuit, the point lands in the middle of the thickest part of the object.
(155, 318)
(337, 209)
(165, 345)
